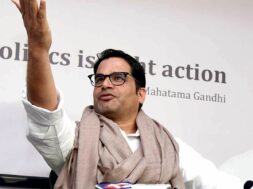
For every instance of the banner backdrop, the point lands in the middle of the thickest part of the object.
(197, 56)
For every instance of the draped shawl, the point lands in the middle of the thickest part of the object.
(101, 154)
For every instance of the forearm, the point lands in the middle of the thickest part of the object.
(40, 83)
(41, 89)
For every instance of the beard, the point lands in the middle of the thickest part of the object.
(107, 109)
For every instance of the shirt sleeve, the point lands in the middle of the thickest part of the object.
(201, 172)
(50, 132)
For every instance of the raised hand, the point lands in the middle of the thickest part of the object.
(35, 21)
(41, 89)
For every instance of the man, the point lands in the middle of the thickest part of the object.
(115, 140)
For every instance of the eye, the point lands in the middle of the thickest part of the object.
(99, 78)
(118, 77)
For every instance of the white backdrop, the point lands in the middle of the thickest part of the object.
(215, 35)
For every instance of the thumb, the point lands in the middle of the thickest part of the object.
(17, 3)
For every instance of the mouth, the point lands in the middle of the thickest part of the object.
(106, 97)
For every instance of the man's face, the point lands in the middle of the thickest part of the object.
(117, 101)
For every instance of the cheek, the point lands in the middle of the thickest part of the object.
(129, 95)
(95, 92)
(95, 95)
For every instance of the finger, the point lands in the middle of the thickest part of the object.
(17, 4)
(31, 8)
(22, 7)
(42, 9)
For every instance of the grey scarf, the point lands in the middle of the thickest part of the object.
(101, 154)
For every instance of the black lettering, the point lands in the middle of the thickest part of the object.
(17, 51)
(151, 67)
(188, 72)
(65, 58)
(51, 56)
(168, 71)
(25, 58)
(205, 76)
(5, 54)
(177, 71)
(142, 63)
(91, 61)
(220, 77)
(196, 72)
(80, 59)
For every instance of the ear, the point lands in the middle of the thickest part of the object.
(141, 95)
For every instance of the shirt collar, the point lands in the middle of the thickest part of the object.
(136, 134)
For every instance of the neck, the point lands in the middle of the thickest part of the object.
(128, 127)
(126, 120)
(126, 123)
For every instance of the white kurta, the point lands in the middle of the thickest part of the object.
(52, 134)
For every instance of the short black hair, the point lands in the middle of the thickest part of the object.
(137, 71)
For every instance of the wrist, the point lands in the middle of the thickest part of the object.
(42, 44)
(37, 52)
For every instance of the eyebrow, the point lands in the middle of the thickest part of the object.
(113, 72)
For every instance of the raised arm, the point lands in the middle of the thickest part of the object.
(41, 89)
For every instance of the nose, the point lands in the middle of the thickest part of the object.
(107, 83)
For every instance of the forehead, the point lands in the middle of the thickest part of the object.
(113, 64)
